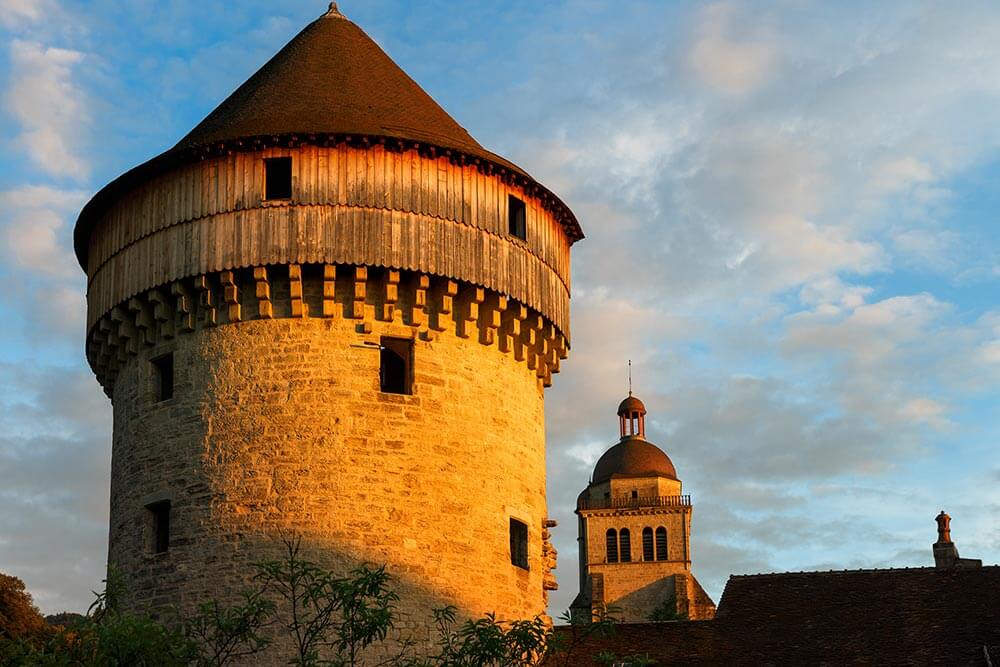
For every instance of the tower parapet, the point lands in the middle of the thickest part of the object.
(329, 311)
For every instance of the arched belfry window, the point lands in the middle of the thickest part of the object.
(625, 545)
(661, 543)
(612, 541)
(647, 544)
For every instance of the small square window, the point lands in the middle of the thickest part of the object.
(516, 219)
(519, 543)
(395, 362)
(163, 377)
(160, 520)
(278, 178)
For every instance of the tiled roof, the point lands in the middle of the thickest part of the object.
(920, 616)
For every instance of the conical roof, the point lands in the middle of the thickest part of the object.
(332, 78)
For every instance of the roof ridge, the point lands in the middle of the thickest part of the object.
(872, 570)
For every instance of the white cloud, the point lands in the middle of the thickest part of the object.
(17, 13)
(35, 229)
(783, 151)
(723, 56)
(49, 106)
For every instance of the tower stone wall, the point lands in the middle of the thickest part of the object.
(269, 310)
(278, 427)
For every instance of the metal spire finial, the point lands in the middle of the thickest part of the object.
(333, 12)
(629, 377)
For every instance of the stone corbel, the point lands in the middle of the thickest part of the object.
(206, 300)
(231, 296)
(329, 290)
(265, 309)
(299, 307)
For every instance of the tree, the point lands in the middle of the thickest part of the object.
(19, 617)
(330, 619)
(224, 634)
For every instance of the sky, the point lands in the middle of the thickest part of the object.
(792, 231)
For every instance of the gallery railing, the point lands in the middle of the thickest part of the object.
(628, 502)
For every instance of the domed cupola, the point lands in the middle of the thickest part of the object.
(633, 456)
(632, 417)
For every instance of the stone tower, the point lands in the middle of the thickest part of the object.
(635, 532)
(328, 311)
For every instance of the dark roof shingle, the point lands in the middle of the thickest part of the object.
(920, 616)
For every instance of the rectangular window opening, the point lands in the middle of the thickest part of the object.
(160, 512)
(277, 178)
(516, 219)
(519, 544)
(163, 376)
(396, 365)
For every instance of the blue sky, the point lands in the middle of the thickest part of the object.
(791, 212)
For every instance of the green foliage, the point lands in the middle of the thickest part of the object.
(330, 620)
(365, 604)
(667, 611)
(224, 634)
(488, 642)
(106, 637)
(307, 605)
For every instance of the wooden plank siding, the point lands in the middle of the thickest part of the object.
(349, 206)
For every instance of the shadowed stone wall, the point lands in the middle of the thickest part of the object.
(278, 425)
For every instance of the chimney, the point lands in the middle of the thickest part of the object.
(945, 551)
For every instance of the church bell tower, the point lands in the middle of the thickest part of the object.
(635, 533)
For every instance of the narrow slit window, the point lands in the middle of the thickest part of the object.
(661, 543)
(625, 545)
(647, 544)
(519, 544)
(612, 545)
(395, 366)
(163, 377)
(278, 178)
(160, 520)
(516, 218)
